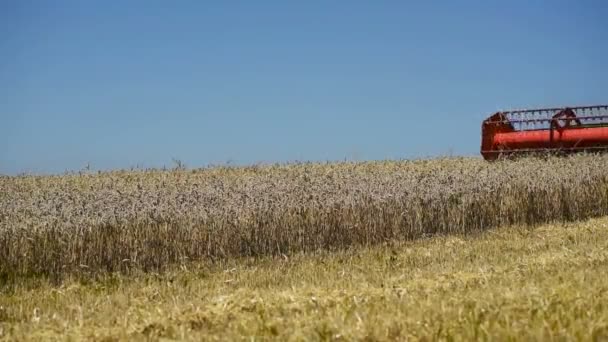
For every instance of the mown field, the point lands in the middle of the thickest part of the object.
(506, 284)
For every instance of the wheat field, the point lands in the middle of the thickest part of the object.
(507, 284)
(147, 220)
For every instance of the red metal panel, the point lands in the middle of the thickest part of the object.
(542, 138)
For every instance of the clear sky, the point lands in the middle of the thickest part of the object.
(125, 83)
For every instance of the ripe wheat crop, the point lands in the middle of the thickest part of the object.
(148, 219)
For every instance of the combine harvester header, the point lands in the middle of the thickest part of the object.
(553, 130)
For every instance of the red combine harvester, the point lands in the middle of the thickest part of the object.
(553, 130)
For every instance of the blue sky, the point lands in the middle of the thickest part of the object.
(124, 83)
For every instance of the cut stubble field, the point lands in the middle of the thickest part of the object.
(427, 249)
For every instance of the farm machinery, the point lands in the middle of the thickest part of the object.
(549, 130)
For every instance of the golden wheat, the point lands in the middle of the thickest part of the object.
(147, 219)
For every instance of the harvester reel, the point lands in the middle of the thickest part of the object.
(545, 131)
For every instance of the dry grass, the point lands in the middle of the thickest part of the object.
(508, 284)
(147, 220)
